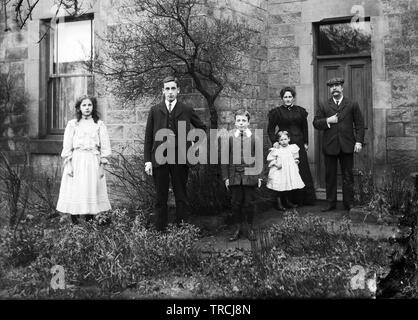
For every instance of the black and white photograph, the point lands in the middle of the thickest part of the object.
(206, 155)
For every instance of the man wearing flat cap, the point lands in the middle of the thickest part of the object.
(342, 124)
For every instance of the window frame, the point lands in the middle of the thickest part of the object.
(46, 52)
(335, 56)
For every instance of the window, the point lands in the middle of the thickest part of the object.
(344, 38)
(66, 53)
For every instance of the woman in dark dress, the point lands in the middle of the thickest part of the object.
(293, 119)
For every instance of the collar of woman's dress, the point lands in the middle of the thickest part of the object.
(288, 107)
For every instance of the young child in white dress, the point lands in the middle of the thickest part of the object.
(284, 174)
(86, 148)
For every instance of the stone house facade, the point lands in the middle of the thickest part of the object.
(304, 42)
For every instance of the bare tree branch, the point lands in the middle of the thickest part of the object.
(23, 9)
(179, 37)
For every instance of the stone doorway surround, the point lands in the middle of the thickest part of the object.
(292, 61)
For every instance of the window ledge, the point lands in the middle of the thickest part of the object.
(46, 146)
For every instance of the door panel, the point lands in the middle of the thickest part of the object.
(357, 86)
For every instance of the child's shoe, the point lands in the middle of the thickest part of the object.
(248, 231)
(74, 219)
(288, 204)
(280, 205)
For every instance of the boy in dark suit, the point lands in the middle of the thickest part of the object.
(242, 186)
(169, 115)
(336, 118)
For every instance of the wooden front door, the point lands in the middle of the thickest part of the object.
(357, 86)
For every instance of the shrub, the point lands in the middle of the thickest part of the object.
(206, 192)
(242, 274)
(402, 280)
(94, 254)
(23, 243)
(13, 102)
(388, 198)
(14, 188)
(397, 187)
(364, 187)
(44, 196)
(173, 251)
(132, 187)
(13, 140)
(304, 257)
(108, 257)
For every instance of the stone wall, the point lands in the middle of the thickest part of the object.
(13, 95)
(401, 65)
(254, 70)
(126, 123)
(291, 61)
(285, 56)
(20, 52)
(290, 54)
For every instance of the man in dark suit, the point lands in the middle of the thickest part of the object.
(336, 118)
(170, 117)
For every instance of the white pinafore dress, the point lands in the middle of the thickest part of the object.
(85, 145)
(287, 178)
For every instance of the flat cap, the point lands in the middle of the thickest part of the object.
(332, 81)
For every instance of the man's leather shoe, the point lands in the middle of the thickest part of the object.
(328, 208)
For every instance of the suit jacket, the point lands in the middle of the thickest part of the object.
(157, 119)
(236, 172)
(341, 136)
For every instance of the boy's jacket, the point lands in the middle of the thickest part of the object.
(236, 172)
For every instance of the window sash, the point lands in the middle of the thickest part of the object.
(350, 42)
(62, 88)
(63, 91)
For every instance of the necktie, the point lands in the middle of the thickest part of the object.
(169, 107)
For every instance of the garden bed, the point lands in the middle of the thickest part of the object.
(297, 258)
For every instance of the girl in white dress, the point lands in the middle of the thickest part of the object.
(284, 171)
(85, 151)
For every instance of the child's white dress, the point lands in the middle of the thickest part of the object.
(86, 144)
(287, 178)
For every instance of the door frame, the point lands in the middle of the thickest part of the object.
(316, 58)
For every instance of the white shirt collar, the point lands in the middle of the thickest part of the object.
(247, 133)
(338, 101)
(173, 103)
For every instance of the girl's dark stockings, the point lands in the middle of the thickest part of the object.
(75, 218)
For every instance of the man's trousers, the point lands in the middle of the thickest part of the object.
(178, 174)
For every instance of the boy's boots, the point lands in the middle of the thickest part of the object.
(235, 236)
(249, 231)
